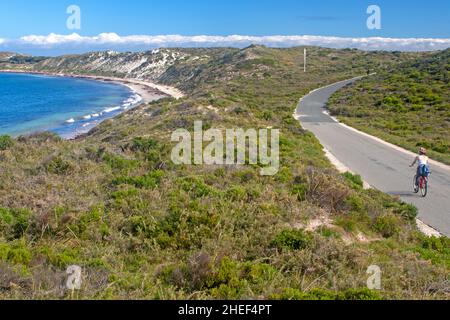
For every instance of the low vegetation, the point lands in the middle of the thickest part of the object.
(408, 105)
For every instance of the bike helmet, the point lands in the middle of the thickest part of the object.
(423, 151)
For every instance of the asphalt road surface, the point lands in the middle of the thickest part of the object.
(382, 166)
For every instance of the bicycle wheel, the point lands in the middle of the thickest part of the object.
(424, 189)
(415, 186)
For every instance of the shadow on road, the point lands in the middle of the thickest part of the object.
(403, 194)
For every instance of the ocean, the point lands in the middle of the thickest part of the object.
(31, 103)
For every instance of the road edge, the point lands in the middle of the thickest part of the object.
(342, 168)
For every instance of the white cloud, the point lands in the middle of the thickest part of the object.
(143, 42)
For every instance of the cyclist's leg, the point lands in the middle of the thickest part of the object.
(418, 175)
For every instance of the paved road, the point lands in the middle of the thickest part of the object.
(381, 165)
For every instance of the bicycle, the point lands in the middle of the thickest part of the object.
(423, 185)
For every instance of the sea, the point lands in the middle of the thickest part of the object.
(33, 103)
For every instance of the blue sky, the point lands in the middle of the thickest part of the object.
(340, 18)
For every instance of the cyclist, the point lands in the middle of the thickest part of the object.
(422, 159)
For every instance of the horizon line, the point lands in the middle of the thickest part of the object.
(113, 41)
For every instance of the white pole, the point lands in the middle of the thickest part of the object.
(304, 60)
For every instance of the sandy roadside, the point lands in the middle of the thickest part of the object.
(149, 91)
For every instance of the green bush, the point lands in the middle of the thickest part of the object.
(260, 273)
(236, 193)
(388, 225)
(329, 233)
(354, 221)
(15, 253)
(360, 294)
(322, 294)
(356, 180)
(58, 166)
(293, 240)
(148, 181)
(119, 163)
(301, 191)
(284, 175)
(441, 244)
(436, 250)
(6, 142)
(61, 258)
(356, 203)
(14, 223)
(93, 217)
(196, 187)
(405, 210)
(144, 145)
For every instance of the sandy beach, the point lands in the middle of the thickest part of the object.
(148, 92)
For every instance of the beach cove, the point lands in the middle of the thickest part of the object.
(67, 104)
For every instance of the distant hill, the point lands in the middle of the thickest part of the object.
(408, 104)
(5, 56)
(187, 68)
(18, 59)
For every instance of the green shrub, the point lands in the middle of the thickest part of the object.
(301, 191)
(93, 217)
(388, 225)
(284, 175)
(119, 163)
(356, 203)
(61, 258)
(14, 223)
(441, 244)
(393, 102)
(267, 115)
(144, 145)
(58, 166)
(245, 176)
(356, 180)
(293, 240)
(329, 233)
(360, 294)
(122, 195)
(260, 273)
(138, 225)
(196, 187)
(323, 294)
(227, 282)
(228, 272)
(406, 210)
(236, 193)
(148, 181)
(6, 142)
(436, 250)
(149, 148)
(346, 222)
(15, 253)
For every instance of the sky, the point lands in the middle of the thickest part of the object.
(41, 26)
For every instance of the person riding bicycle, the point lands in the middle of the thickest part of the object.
(423, 168)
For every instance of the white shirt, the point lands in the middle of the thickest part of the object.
(423, 160)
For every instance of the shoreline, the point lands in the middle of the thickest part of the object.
(147, 91)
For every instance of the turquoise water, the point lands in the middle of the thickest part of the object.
(67, 106)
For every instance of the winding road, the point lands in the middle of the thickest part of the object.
(382, 165)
